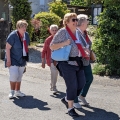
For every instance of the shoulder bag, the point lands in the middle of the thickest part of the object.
(61, 54)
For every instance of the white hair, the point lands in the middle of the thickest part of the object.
(2, 19)
(81, 18)
(53, 26)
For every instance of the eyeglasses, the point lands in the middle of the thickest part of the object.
(74, 20)
(88, 19)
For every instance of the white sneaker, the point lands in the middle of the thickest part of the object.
(77, 105)
(11, 95)
(19, 94)
(83, 100)
(79, 100)
(54, 89)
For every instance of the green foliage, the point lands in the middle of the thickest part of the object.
(21, 10)
(91, 30)
(85, 2)
(99, 69)
(46, 19)
(59, 8)
(78, 2)
(107, 42)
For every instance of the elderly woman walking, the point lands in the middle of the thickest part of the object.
(82, 25)
(16, 56)
(46, 57)
(71, 70)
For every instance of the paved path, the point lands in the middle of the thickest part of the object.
(41, 104)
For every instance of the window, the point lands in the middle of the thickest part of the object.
(42, 2)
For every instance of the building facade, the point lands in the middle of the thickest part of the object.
(39, 5)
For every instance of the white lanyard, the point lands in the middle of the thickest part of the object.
(78, 40)
(87, 45)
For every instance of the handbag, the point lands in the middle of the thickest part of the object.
(92, 56)
(61, 54)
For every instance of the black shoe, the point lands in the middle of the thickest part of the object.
(64, 102)
(73, 113)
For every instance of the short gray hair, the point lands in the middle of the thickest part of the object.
(53, 26)
(81, 18)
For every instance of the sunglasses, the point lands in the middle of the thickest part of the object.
(73, 20)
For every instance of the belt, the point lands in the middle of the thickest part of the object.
(77, 59)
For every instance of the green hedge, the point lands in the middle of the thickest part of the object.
(46, 19)
(107, 42)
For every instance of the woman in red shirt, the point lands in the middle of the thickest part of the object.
(46, 57)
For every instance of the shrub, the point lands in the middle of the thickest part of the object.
(107, 42)
(59, 8)
(85, 2)
(91, 30)
(99, 69)
(46, 19)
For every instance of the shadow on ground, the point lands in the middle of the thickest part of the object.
(59, 95)
(29, 102)
(92, 113)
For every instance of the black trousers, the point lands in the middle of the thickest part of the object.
(74, 79)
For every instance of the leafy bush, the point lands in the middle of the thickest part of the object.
(21, 10)
(91, 30)
(107, 42)
(85, 2)
(59, 8)
(99, 69)
(46, 19)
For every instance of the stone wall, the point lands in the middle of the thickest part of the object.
(4, 31)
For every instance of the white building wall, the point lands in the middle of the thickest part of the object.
(37, 7)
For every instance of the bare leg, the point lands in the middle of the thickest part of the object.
(12, 85)
(70, 103)
(17, 86)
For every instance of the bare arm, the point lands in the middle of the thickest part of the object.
(59, 45)
(43, 63)
(8, 47)
(43, 54)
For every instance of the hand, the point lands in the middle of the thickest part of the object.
(43, 65)
(67, 42)
(8, 63)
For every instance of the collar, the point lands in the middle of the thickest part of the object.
(80, 31)
(19, 34)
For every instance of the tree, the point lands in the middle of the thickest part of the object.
(85, 2)
(59, 8)
(21, 10)
(107, 42)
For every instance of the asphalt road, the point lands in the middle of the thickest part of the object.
(41, 104)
